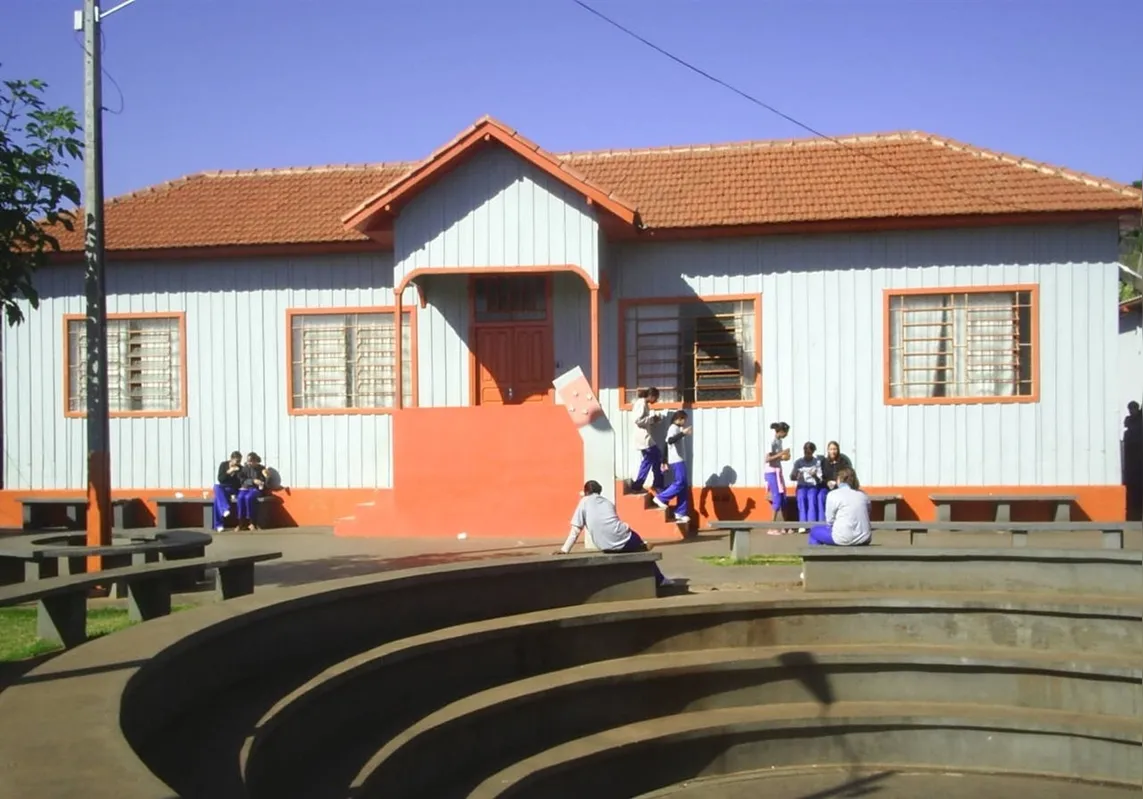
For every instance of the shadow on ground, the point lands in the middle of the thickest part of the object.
(300, 572)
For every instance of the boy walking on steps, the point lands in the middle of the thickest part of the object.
(680, 487)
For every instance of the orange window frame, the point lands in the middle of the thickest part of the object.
(181, 411)
(1033, 291)
(391, 310)
(625, 401)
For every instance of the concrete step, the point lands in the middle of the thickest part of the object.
(346, 713)
(492, 729)
(885, 783)
(1095, 572)
(639, 758)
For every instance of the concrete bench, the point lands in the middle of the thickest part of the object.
(75, 509)
(62, 612)
(1080, 572)
(169, 508)
(1061, 504)
(1112, 532)
(38, 558)
(888, 503)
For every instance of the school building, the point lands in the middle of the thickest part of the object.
(386, 335)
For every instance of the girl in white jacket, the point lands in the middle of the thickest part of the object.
(645, 420)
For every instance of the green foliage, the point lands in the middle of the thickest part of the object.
(753, 560)
(36, 144)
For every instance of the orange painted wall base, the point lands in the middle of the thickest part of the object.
(1094, 503)
(496, 502)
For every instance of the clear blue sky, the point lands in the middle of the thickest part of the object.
(225, 84)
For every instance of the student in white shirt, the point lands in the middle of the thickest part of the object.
(846, 516)
(596, 514)
(680, 487)
(645, 421)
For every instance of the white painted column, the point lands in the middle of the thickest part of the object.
(575, 393)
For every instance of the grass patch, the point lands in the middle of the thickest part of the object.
(753, 560)
(18, 639)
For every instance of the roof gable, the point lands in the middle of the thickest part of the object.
(386, 204)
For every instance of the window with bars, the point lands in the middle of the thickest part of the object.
(694, 352)
(349, 361)
(961, 344)
(144, 365)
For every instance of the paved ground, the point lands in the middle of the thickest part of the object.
(311, 554)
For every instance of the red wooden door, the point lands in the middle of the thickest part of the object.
(531, 367)
(512, 335)
(494, 357)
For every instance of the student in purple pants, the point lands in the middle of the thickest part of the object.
(645, 421)
(226, 489)
(807, 475)
(847, 516)
(680, 487)
(779, 452)
(253, 481)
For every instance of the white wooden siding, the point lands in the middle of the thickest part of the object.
(236, 375)
(1130, 358)
(496, 210)
(822, 340)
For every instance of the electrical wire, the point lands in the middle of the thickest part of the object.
(108, 75)
(813, 131)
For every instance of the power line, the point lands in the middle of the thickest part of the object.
(751, 98)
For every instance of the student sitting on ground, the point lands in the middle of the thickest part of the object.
(596, 514)
(226, 489)
(846, 516)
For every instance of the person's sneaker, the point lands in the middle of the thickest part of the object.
(802, 577)
(682, 519)
(219, 529)
(660, 503)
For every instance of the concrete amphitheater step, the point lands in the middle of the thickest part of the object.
(1045, 571)
(885, 783)
(640, 758)
(345, 714)
(490, 730)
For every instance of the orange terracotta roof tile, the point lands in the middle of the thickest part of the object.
(896, 175)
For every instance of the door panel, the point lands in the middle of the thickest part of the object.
(531, 368)
(494, 357)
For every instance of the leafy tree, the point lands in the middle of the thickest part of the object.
(36, 144)
(1130, 254)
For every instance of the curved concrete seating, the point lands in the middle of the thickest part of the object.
(344, 715)
(161, 710)
(488, 731)
(1046, 571)
(639, 758)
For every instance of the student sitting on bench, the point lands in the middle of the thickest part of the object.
(846, 516)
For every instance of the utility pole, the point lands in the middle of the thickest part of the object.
(98, 426)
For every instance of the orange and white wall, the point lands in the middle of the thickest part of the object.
(442, 466)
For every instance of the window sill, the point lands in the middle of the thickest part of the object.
(1023, 400)
(179, 414)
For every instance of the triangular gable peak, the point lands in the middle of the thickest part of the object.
(374, 217)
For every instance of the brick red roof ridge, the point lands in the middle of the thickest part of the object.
(866, 138)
